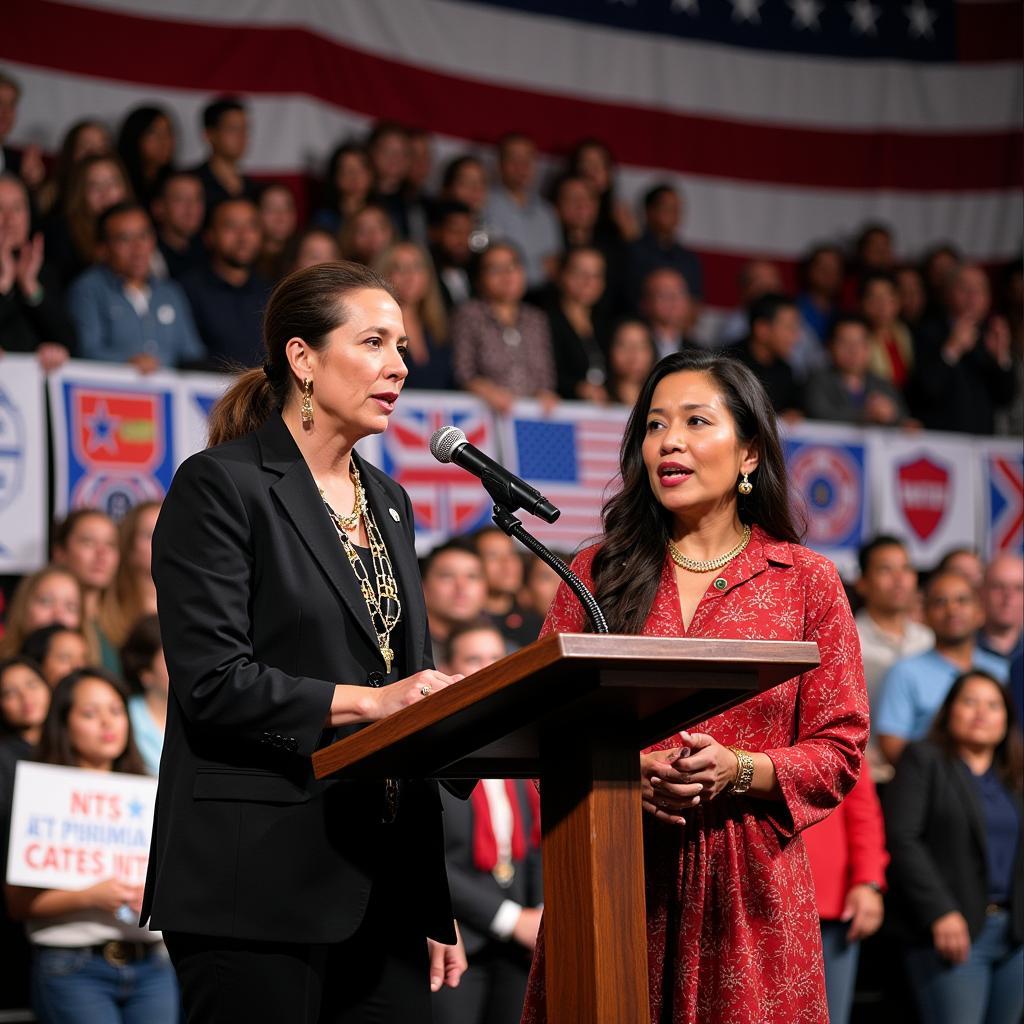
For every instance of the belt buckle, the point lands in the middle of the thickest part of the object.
(116, 953)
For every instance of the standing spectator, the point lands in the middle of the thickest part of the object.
(32, 313)
(178, 211)
(659, 245)
(134, 592)
(579, 330)
(756, 278)
(965, 368)
(421, 163)
(228, 296)
(540, 583)
(914, 687)
(26, 163)
(347, 188)
(146, 145)
(454, 589)
(278, 220)
(965, 561)
(873, 250)
(122, 312)
(57, 650)
(774, 333)
(493, 858)
(367, 234)
(390, 156)
(821, 288)
(226, 131)
(310, 247)
(503, 571)
(501, 348)
(631, 357)
(1002, 599)
(145, 671)
(79, 937)
(428, 355)
(465, 181)
(892, 348)
(913, 297)
(848, 859)
(939, 267)
(953, 817)
(84, 138)
(592, 159)
(450, 230)
(667, 305)
(847, 391)
(1010, 420)
(517, 214)
(50, 595)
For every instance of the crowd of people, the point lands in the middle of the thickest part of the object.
(510, 285)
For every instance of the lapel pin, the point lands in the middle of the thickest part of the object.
(394, 514)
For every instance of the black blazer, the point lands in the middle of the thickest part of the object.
(935, 831)
(476, 896)
(260, 617)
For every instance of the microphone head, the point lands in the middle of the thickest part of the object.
(445, 441)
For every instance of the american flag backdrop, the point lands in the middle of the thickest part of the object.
(786, 122)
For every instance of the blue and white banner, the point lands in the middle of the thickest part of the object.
(195, 395)
(1003, 488)
(23, 519)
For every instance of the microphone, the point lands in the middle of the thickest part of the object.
(449, 444)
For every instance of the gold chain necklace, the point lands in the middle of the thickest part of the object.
(694, 565)
(382, 600)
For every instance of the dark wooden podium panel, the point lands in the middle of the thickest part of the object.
(491, 724)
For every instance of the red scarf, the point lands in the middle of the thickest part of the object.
(485, 846)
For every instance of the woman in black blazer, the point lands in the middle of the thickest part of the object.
(289, 620)
(953, 817)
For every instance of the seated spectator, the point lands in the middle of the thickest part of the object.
(874, 250)
(938, 268)
(964, 367)
(178, 211)
(465, 181)
(848, 860)
(821, 287)
(421, 165)
(145, 672)
(87, 727)
(133, 593)
(914, 687)
(388, 148)
(913, 298)
(1015, 683)
(450, 229)
(82, 139)
(892, 348)
(579, 330)
(407, 266)
(146, 145)
(1002, 601)
(32, 313)
(454, 590)
(847, 391)
(96, 184)
(517, 214)
(774, 332)
(756, 278)
(367, 234)
(667, 305)
(278, 220)
(40, 599)
(965, 561)
(492, 849)
(592, 159)
(27, 164)
(631, 357)
(659, 246)
(310, 247)
(501, 348)
(122, 313)
(228, 296)
(57, 650)
(540, 584)
(347, 188)
(503, 571)
(226, 133)
(953, 819)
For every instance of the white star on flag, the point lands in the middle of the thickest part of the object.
(921, 20)
(685, 7)
(863, 15)
(806, 14)
(747, 10)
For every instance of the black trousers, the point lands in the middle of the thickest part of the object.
(378, 976)
(491, 991)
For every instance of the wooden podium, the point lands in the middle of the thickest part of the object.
(574, 710)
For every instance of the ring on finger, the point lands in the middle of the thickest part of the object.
(426, 689)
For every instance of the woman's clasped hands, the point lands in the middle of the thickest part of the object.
(675, 780)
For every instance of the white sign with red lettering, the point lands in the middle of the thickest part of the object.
(72, 828)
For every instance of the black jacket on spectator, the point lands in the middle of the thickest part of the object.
(826, 397)
(935, 831)
(575, 356)
(777, 378)
(962, 397)
(647, 254)
(23, 327)
(215, 192)
(182, 262)
(228, 318)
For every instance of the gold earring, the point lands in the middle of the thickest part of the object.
(745, 486)
(307, 401)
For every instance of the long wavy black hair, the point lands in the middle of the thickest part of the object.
(627, 567)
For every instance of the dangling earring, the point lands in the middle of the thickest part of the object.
(307, 401)
(745, 486)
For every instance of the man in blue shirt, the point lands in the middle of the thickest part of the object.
(123, 313)
(914, 688)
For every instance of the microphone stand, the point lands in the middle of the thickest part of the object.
(508, 523)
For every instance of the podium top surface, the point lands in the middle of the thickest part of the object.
(494, 722)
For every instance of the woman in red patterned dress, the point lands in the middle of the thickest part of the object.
(701, 542)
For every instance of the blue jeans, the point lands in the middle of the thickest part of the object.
(987, 989)
(840, 969)
(75, 986)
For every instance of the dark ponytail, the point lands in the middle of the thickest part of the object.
(307, 304)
